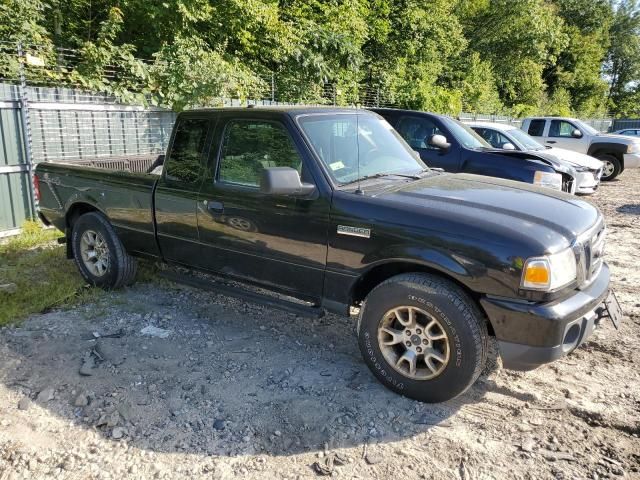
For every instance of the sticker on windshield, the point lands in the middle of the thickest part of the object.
(336, 165)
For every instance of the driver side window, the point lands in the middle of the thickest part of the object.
(561, 128)
(417, 132)
(250, 146)
(493, 137)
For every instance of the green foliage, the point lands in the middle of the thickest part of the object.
(490, 56)
(43, 278)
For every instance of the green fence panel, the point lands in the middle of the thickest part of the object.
(15, 206)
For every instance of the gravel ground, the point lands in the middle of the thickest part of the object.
(238, 390)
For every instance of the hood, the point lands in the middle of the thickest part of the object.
(612, 137)
(544, 219)
(542, 156)
(575, 158)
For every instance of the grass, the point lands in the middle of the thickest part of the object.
(43, 277)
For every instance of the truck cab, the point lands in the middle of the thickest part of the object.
(617, 152)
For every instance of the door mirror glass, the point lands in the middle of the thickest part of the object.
(439, 141)
(576, 133)
(284, 181)
(508, 146)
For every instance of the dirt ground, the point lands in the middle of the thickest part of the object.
(237, 390)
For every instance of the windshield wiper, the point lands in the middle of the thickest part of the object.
(385, 174)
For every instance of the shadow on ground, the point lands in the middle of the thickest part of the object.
(230, 379)
(629, 209)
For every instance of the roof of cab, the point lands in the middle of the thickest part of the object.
(503, 127)
(408, 112)
(293, 110)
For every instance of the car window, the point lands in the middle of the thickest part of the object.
(358, 145)
(250, 146)
(561, 128)
(493, 137)
(417, 131)
(464, 134)
(536, 127)
(184, 162)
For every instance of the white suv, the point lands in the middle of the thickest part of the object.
(616, 151)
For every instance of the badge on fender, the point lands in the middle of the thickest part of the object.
(354, 231)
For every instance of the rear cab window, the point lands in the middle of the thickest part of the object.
(536, 127)
(184, 161)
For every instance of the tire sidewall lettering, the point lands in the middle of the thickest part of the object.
(457, 343)
(379, 365)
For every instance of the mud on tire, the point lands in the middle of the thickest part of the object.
(440, 372)
(93, 235)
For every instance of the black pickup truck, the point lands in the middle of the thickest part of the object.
(332, 207)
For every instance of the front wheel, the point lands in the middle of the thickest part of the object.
(612, 167)
(99, 253)
(422, 337)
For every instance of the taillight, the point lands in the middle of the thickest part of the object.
(36, 188)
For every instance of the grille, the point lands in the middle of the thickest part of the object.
(568, 183)
(589, 251)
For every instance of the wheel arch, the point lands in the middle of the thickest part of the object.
(381, 272)
(74, 211)
(616, 150)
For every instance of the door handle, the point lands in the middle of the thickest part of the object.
(551, 141)
(214, 206)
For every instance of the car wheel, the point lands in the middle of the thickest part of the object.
(99, 253)
(612, 167)
(422, 337)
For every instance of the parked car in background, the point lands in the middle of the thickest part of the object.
(509, 137)
(616, 151)
(630, 132)
(334, 208)
(443, 142)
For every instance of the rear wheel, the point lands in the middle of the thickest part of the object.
(422, 337)
(612, 167)
(99, 253)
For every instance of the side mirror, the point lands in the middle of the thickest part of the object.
(284, 181)
(576, 133)
(439, 141)
(508, 146)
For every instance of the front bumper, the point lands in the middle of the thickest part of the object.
(531, 334)
(631, 160)
(587, 182)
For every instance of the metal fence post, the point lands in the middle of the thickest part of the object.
(273, 87)
(23, 100)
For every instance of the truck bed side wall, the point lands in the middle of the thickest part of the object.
(125, 198)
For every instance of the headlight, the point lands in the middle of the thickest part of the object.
(633, 148)
(549, 180)
(549, 272)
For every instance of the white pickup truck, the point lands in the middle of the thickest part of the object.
(616, 151)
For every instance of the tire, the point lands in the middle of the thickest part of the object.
(116, 267)
(430, 298)
(612, 167)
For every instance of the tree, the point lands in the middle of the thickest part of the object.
(519, 38)
(622, 66)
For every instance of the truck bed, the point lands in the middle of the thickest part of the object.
(126, 198)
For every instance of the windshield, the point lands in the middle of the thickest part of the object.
(464, 134)
(524, 139)
(376, 149)
(587, 128)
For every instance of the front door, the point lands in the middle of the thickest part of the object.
(278, 241)
(560, 135)
(417, 131)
